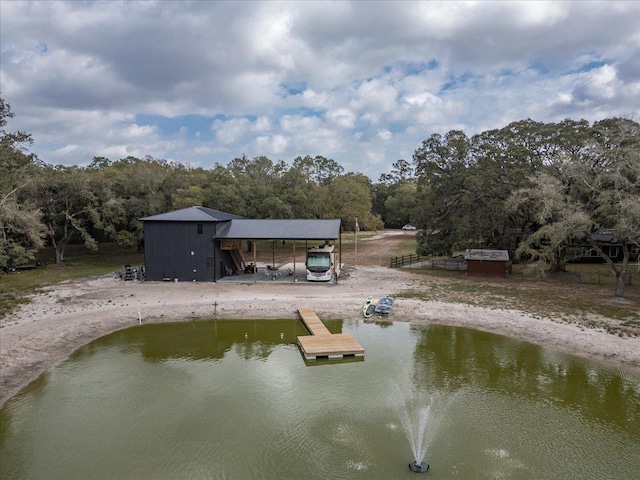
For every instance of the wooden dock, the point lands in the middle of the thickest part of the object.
(323, 343)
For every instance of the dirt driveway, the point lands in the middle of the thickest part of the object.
(371, 251)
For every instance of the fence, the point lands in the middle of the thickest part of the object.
(604, 279)
(420, 261)
(415, 261)
(397, 262)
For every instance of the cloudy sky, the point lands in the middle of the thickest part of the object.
(360, 82)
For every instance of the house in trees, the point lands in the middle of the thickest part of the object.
(610, 244)
(201, 244)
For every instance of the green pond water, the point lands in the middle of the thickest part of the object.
(236, 400)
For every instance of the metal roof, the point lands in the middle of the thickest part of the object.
(486, 255)
(606, 235)
(248, 229)
(191, 214)
(239, 228)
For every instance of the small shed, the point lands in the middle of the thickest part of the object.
(487, 263)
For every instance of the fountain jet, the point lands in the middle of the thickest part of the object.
(419, 467)
(420, 417)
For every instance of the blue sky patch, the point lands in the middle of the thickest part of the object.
(172, 125)
(294, 88)
(302, 111)
(412, 68)
(592, 65)
(458, 81)
(396, 127)
(539, 67)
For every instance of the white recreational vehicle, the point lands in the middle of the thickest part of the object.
(323, 264)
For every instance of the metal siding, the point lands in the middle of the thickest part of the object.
(153, 247)
(168, 247)
(176, 259)
(203, 248)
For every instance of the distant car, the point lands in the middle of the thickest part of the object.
(408, 227)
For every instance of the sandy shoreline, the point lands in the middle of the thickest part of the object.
(66, 316)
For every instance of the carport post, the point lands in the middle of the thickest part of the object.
(273, 253)
(255, 262)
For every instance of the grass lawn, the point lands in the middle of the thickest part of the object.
(578, 295)
(79, 262)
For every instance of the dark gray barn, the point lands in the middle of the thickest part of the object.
(180, 245)
(202, 244)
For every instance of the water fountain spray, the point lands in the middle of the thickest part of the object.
(420, 416)
(415, 420)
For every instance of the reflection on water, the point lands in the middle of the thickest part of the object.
(235, 399)
(453, 358)
(250, 339)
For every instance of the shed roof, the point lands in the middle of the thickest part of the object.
(486, 255)
(253, 229)
(191, 214)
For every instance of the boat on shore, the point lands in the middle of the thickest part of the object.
(384, 306)
(369, 307)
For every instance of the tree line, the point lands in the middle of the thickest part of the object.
(536, 189)
(531, 188)
(105, 200)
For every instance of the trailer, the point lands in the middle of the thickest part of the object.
(323, 264)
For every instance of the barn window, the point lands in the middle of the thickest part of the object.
(199, 229)
(210, 262)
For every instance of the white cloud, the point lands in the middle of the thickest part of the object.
(602, 82)
(314, 99)
(441, 20)
(261, 124)
(230, 131)
(422, 99)
(269, 37)
(65, 151)
(139, 131)
(361, 82)
(342, 117)
(535, 13)
(299, 123)
(385, 134)
(375, 95)
(275, 144)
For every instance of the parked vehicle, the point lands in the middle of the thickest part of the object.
(408, 227)
(322, 263)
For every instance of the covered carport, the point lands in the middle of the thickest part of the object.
(294, 230)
